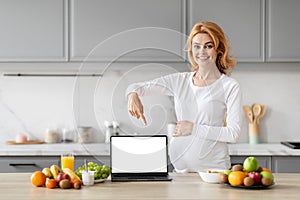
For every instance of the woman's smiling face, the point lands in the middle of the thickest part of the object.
(203, 48)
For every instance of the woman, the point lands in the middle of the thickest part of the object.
(202, 98)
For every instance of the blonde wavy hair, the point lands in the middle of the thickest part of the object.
(224, 61)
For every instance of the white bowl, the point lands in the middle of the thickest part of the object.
(210, 176)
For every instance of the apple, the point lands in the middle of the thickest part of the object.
(251, 164)
(256, 177)
(66, 176)
(62, 176)
(227, 171)
(266, 174)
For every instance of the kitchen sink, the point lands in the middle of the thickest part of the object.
(293, 145)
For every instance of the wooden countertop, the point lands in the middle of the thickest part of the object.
(184, 186)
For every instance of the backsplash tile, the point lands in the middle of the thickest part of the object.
(37, 103)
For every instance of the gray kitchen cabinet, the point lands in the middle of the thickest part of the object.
(286, 164)
(19, 164)
(33, 30)
(283, 27)
(132, 30)
(264, 161)
(37, 163)
(241, 20)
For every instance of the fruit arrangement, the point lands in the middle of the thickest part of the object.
(250, 174)
(66, 178)
(101, 172)
(54, 177)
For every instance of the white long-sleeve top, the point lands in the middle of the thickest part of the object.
(206, 147)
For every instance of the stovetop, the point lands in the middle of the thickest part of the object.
(293, 145)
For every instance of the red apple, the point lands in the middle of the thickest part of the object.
(66, 176)
(256, 177)
(62, 176)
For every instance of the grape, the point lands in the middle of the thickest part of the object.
(101, 172)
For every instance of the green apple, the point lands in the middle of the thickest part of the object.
(227, 171)
(265, 174)
(251, 164)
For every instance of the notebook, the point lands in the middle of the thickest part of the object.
(139, 158)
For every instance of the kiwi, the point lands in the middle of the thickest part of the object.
(223, 178)
(248, 181)
(77, 185)
(237, 167)
(266, 181)
(65, 184)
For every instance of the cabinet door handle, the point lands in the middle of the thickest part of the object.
(21, 164)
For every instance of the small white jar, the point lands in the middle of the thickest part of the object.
(85, 134)
(88, 177)
(51, 136)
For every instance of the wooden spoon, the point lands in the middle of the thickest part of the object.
(256, 109)
(248, 113)
(262, 113)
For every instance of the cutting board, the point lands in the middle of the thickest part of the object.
(27, 142)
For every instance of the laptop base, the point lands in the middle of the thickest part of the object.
(140, 178)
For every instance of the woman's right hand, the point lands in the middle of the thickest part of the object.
(135, 107)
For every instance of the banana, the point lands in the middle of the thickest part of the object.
(70, 173)
(47, 172)
(55, 170)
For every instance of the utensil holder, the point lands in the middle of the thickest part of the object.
(253, 133)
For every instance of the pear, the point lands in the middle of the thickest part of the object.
(47, 172)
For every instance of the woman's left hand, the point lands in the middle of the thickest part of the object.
(183, 128)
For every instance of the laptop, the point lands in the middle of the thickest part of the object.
(139, 158)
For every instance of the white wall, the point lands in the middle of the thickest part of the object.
(275, 85)
(42, 102)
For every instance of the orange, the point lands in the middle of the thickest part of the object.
(38, 178)
(267, 170)
(236, 178)
(50, 183)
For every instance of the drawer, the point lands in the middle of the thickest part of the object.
(286, 164)
(20, 164)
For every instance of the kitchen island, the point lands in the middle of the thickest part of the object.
(184, 186)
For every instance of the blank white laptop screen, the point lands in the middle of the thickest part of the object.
(138, 154)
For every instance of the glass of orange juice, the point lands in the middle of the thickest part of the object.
(67, 161)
